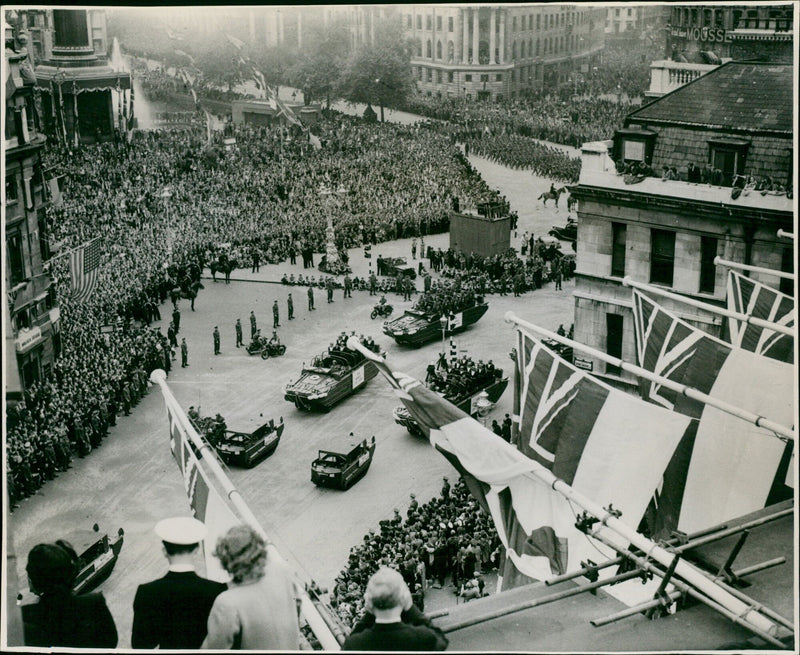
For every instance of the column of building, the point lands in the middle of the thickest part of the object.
(433, 32)
(502, 36)
(492, 30)
(475, 27)
(457, 47)
(465, 35)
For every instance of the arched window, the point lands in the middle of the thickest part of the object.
(438, 49)
(514, 50)
(428, 49)
(522, 49)
(450, 51)
(418, 47)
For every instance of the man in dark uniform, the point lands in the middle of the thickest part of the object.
(290, 307)
(176, 319)
(506, 428)
(310, 299)
(216, 340)
(238, 332)
(275, 315)
(253, 329)
(173, 340)
(172, 612)
(184, 353)
(329, 289)
(348, 286)
(373, 284)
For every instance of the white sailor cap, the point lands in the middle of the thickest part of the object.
(181, 530)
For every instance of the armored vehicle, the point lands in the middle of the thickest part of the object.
(342, 470)
(416, 328)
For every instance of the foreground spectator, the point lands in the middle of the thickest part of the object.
(60, 618)
(391, 621)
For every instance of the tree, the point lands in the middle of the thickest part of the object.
(318, 67)
(381, 72)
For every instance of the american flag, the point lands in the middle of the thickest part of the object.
(84, 265)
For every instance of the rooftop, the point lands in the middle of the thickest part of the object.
(736, 96)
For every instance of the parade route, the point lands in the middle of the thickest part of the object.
(131, 481)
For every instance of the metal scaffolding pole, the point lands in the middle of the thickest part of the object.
(756, 269)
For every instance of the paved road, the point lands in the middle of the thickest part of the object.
(132, 482)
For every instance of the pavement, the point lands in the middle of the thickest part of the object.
(131, 481)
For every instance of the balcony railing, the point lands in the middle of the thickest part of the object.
(668, 75)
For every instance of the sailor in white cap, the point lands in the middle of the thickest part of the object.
(172, 612)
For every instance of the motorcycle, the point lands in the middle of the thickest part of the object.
(273, 350)
(381, 310)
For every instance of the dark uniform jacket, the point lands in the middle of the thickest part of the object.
(172, 612)
(414, 632)
(72, 621)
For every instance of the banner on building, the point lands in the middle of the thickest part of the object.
(724, 467)
(84, 268)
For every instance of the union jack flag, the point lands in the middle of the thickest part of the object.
(749, 297)
(84, 267)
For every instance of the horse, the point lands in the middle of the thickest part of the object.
(222, 265)
(572, 203)
(548, 195)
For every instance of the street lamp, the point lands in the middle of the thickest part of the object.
(443, 323)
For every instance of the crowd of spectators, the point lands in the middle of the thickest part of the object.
(163, 206)
(447, 538)
(517, 151)
(447, 297)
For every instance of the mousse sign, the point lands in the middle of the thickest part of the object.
(708, 34)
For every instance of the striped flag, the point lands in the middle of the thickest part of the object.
(747, 296)
(205, 501)
(84, 268)
(724, 467)
(535, 523)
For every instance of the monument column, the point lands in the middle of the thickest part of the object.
(464, 35)
(492, 30)
(475, 28)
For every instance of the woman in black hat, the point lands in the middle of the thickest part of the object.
(60, 618)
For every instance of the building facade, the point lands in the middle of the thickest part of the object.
(31, 310)
(74, 80)
(736, 120)
(739, 32)
(500, 51)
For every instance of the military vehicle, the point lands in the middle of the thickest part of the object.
(416, 328)
(342, 470)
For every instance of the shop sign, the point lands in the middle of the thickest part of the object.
(707, 34)
(27, 338)
(585, 364)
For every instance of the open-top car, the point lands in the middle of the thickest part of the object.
(391, 266)
(333, 375)
(97, 554)
(415, 328)
(342, 470)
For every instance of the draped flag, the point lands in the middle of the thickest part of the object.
(724, 467)
(206, 502)
(535, 523)
(84, 267)
(747, 296)
(76, 131)
(131, 120)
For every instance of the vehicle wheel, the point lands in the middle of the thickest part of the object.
(265, 354)
(389, 312)
(373, 314)
(282, 350)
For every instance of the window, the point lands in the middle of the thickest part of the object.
(420, 73)
(708, 270)
(449, 76)
(428, 52)
(12, 191)
(514, 24)
(787, 266)
(662, 256)
(419, 21)
(408, 22)
(613, 340)
(484, 78)
(727, 155)
(619, 236)
(16, 259)
(450, 24)
(439, 23)
(438, 49)
(468, 78)
(616, 13)
(499, 77)
(630, 12)
(428, 22)
(537, 47)
(438, 77)
(538, 21)
(430, 75)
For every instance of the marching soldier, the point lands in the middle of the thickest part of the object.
(184, 353)
(275, 315)
(252, 325)
(238, 332)
(290, 307)
(311, 299)
(216, 340)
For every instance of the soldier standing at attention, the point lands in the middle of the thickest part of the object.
(176, 319)
(373, 283)
(290, 307)
(173, 340)
(184, 353)
(275, 315)
(252, 325)
(238, 332)
(311, 299)
(216, 340)
(329, 288)
(414, 248)
(348, 285)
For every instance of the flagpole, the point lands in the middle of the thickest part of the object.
(739, 316)
(322, 631)
(609, 518)
(689, 392)
(718, 261)
(785, 235)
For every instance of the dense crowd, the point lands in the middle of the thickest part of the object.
(447, 297)
(517, 151)
(448, 537)
(163, 206)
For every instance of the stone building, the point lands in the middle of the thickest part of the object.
(708, 33)
(736, 120)
(31, 312)
(500, 51)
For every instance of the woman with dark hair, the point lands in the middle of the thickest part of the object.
(60, 618)
(259, 609)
